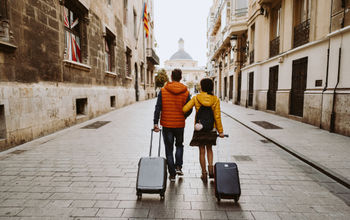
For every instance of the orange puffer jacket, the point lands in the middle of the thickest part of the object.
(174, 97)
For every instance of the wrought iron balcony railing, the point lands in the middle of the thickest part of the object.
(152, 56)
(301, 33)
(275, 47)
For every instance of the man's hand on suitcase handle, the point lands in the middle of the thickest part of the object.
(156, 128)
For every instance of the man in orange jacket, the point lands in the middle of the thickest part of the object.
(171, 99)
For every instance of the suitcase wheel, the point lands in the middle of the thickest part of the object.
(236, 198)
(218, 199)
(139, 196)
(161, 196)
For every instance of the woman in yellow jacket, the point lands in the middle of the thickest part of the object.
(206, 98)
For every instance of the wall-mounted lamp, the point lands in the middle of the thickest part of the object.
(263, 11)
(233, 41)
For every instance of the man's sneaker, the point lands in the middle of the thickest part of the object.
(172, 178)
(179, 171)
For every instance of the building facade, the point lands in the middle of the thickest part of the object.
(191, 72)
(296, 61)
(64, 62)
(227, 34)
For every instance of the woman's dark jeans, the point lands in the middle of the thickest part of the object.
(169, 135)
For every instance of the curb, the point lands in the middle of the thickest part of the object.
(333, 175)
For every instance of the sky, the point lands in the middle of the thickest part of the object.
(187, 19)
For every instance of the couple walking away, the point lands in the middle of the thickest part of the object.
(174, 105)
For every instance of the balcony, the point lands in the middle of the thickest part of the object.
(241, 12)
(301, 33)
(251, 57)
(152, 56)
(275, 47)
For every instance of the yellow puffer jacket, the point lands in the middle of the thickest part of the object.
(207, 100)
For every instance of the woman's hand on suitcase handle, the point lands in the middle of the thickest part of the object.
(222, 135)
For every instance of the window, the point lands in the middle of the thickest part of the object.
(275, 22)
(275, 30)
(301, 22)
(340, 11)
(142, 72)
(2, 123)
(125, 12)
(4, 21)
(112, 101)
(81, 106)
(128, 62)
(135, 24)
(241, 7)
(109, 51)
(72, 35)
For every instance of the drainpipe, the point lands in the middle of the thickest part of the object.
(332, 122)
(327, 68)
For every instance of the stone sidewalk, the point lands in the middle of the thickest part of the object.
(91, 174)
(327, 151)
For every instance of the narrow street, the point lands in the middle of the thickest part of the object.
(90, 173)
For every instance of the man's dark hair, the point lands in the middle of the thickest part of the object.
(207, 85)
(176, 75)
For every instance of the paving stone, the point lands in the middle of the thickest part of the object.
(83, 203)
(59, 203)
(106, 204)
(213, 215)
(9, 211)
(45, 212)
(135, 213)
(191, 214)
(110, 212)
(162, 213)
(266, 215)
(291, 216)
(84, 212)
(240, 215)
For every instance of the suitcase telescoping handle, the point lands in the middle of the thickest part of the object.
(160, 137)
(225, 135)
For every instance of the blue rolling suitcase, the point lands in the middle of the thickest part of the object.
(226, 180)
(152, 173)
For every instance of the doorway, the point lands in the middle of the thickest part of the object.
(299, 76)
(251, 89)
(230, 93)
(239, 83)
(136, 83)
(273, 86)
(225, 87)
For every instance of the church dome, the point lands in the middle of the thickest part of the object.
(181, 54)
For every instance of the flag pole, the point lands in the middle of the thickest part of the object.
(138, 31)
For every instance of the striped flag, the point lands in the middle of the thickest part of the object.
(145, 20)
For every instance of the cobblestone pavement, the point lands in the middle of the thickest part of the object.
(91, 173)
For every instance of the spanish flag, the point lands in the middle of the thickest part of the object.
(145, 20)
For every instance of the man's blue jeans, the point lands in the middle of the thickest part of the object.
(170, 135)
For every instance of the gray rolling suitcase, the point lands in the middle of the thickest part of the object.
(152, 173)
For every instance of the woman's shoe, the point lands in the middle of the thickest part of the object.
(204, 176)
(211, 171)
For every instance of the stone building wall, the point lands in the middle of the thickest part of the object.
(39, 89)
